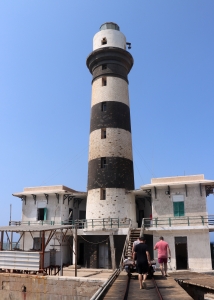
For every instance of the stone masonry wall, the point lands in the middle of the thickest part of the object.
(116, 90)
(28, 287)
(117, 143)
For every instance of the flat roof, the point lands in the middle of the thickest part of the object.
(35, 228)
(52, 189)
(177, 181)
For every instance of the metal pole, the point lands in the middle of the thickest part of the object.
(2, 240)
(61, 271)
(76, 250)
(11, 234)
(43, 250)
(10, 212)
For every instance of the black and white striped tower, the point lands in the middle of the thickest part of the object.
(110, 165)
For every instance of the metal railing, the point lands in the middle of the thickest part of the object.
(105, 223)
(205, 220)
(125, 247)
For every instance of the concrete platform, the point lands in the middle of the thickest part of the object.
(101, 274)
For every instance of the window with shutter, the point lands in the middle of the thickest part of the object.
(178, 209)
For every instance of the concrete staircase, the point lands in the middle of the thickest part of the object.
(135, 233)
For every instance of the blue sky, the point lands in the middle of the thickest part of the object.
(45, 90)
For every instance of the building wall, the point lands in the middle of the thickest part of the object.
(114, 39)
(118, 204)
(56, 212)
(194, 203)
(46, 287)
(198, 248)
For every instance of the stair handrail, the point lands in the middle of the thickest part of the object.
(99, 293)
(125, 246)
(142, 227)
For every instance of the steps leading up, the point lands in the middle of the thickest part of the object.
(135, 233)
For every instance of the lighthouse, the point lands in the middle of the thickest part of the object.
(110, 160)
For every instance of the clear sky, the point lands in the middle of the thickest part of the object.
(45, 90)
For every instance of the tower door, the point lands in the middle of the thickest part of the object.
(103, 256)
(181, 253)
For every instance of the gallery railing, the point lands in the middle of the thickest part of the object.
(104, 223)
(177, 221)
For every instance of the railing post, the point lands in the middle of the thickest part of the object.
(92, 223)
(111, 222)
(202, 219)
(118, 222)
(103, 223)
(188, 221)
(28, 222)
(156, 222)
(170, 222)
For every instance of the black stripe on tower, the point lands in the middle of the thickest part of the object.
(116, 173)
(119, 62)
(110, 69)
(115, 115)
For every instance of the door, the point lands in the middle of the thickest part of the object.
(181, 253)
(103, 256)
(81, 253)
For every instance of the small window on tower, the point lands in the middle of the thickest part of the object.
(104, 67)
(102, 194)
(103, 162)
(104, 41)
(103, 133)
(104, 81)
(103, 106)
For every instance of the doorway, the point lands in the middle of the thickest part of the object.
(103, 256)
(141, 216)
(81, 254)
(181, 253)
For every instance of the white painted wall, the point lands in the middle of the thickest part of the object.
(114, 38)
(55, 211)
(115, 90)
(194, 203)
(198, 247)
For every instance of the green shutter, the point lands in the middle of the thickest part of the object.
(181, 209)
(178, 208)
(45, 214)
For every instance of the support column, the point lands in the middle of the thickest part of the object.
(113, 262)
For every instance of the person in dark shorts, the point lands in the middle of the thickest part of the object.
(143, 261)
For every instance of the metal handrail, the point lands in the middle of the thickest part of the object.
(125, 246)
(102, 289)
(203, 220)
(105, 223)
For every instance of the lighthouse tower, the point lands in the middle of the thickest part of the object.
(110, 162)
